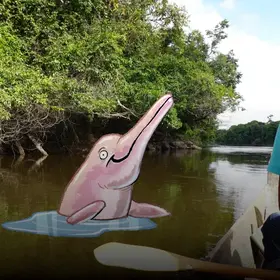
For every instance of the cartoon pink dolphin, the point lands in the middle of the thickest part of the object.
(102, 187)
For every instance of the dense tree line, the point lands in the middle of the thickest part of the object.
(98, 61)
(253, 134)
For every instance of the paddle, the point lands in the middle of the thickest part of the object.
(152, 259)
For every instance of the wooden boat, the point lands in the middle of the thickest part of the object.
(242, 244)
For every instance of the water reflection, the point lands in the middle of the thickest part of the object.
(243, 171)
(205, 191)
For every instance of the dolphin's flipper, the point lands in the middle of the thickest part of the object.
(144, 210)
(87, 212)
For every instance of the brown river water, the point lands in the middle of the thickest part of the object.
(205, 191)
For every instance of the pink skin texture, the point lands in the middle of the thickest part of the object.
(102, 187)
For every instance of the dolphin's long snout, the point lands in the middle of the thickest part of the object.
(136, 139)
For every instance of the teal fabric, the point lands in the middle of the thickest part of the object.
(274, 163)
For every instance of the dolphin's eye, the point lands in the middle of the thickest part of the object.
(103, 154)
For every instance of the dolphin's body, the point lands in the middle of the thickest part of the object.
(102, 187)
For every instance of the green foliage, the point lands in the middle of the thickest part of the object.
(253, 133)
(111, 59)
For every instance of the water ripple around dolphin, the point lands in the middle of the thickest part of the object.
(52, 224)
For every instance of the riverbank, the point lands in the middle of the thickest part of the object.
(172, 145)
(154, 146)
(83, 144)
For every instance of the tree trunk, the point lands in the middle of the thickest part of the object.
(20, 149)
(37, 145)
(18, 161)
(1, 148)
(21, 153)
